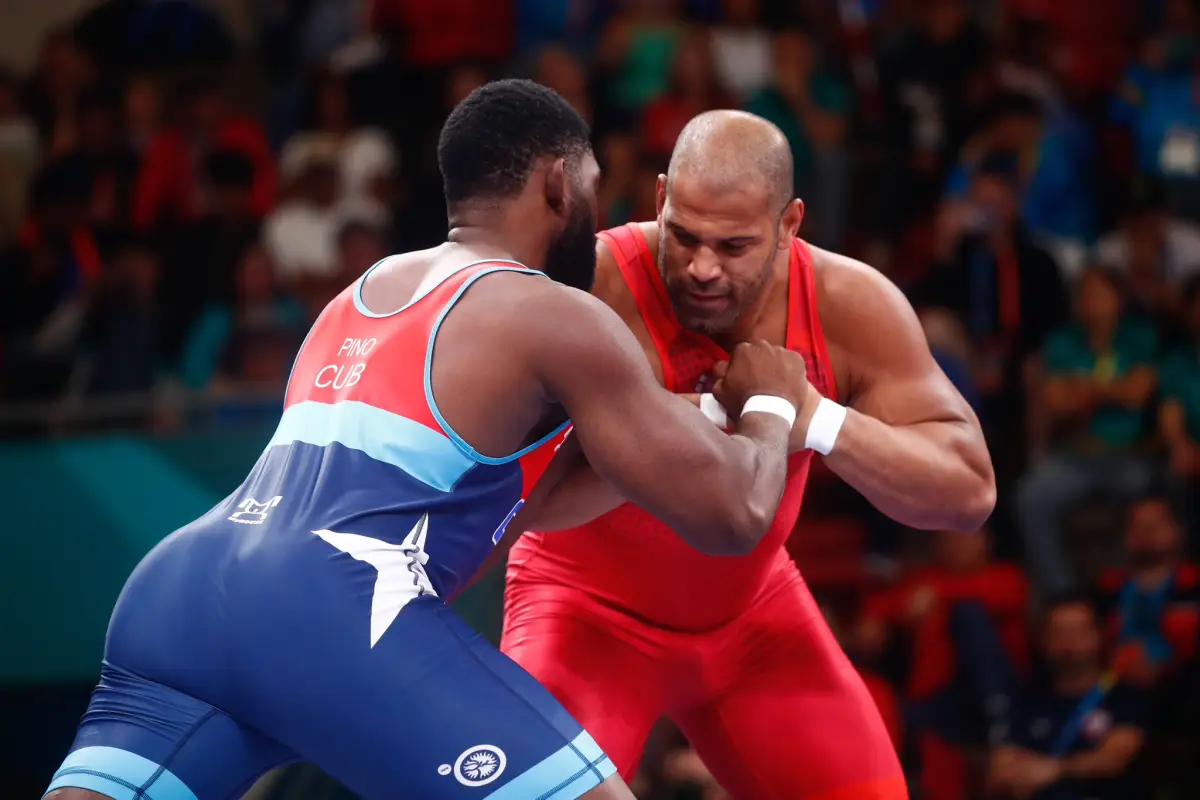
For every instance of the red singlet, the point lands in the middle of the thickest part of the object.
(625, 623)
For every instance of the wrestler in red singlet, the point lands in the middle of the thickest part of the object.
(735, 650)
(625, 623)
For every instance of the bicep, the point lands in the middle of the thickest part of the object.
(893, 375)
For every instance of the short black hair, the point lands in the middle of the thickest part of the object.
(492, 138)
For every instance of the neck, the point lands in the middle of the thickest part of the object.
(495, 231)
(1077, 681)
(761, 320)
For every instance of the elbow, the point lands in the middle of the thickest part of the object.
(975, 505)
(739, 530)
(747, 530)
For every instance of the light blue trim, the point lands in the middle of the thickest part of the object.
(568, 773)
(366, 312)
(389, 438)
(100, 784)
(111, 770)
(474, 454)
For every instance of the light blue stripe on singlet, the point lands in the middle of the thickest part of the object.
(568, 773)
(389, 438)
(474, 454)
(119, 774)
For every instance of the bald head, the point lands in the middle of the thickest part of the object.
(727, 149)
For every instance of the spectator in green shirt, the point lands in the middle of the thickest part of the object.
(1099, 375)
(810, 106)
(1179, 414)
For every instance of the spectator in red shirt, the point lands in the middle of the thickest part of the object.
(965, 619)
(693, 90)
(169, 186)
(436, 34)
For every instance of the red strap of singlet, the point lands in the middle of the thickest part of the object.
(802, 300)
(632, 254)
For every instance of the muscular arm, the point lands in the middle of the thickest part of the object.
(657, 450)
(910, 443)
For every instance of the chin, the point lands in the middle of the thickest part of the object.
(706, 326)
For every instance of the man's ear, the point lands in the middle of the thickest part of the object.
(556, 185)
(789, 223)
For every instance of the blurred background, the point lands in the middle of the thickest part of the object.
(185, 183)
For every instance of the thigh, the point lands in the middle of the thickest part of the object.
(431, 709)
(604, 668)
(139, 739)
(790, 717)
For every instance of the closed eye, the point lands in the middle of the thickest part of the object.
(683, 236)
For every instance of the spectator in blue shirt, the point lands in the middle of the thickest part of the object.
(1075, 733)
(1157, 102)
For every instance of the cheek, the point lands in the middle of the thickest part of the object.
(673, 258)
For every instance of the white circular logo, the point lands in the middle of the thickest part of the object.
(479, 765)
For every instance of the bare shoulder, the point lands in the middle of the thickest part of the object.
(610, 285)
(869, 325)
(851, 294)
(553, 321)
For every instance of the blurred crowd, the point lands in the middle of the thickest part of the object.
(178, 202)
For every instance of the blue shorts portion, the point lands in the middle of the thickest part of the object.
(208, 682)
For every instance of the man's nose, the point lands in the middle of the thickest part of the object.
(704, 267)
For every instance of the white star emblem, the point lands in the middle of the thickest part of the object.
(401, 570)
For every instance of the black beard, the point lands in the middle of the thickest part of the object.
(571, 258)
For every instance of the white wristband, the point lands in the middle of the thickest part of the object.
(769, 404)
(712, 408)
(825, 426)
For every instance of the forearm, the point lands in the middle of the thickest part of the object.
(1093, 765)
(760, 461)
(718, 491)
(932, 475)
(1133, 390)
(1107, 761)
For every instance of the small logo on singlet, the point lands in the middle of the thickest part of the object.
(504, 525)
(477, 766)
(252, 512)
